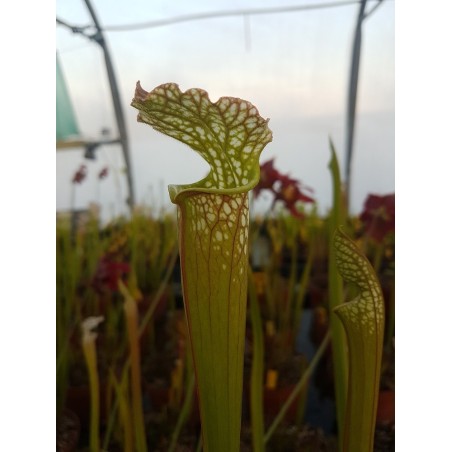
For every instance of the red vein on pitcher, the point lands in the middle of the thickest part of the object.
(213, 240)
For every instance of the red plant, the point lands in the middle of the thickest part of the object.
(378, 216)
(269, 176)
(103, 173)
(108, 273)
(283, 187)
(79, 175)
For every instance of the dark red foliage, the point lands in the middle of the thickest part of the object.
(79, 175)
(290, 194)
(269, 176)
(283, 187)
(378, 216)
(103, 173)
(108, 273)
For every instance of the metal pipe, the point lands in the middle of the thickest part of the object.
(99, 38)
(352, 96)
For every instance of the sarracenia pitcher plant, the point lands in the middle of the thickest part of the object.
(213, 217)
(363, 321)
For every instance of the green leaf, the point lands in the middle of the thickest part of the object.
(335, 296)
(363, 320)
(213, 240)
(257, 370)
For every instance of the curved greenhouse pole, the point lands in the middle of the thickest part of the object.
(99, 38)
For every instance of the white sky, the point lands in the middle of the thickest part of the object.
(294, 67)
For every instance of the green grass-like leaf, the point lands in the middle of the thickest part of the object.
(213, 240)
(335, 296)
(257, 371)
(363, 320)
